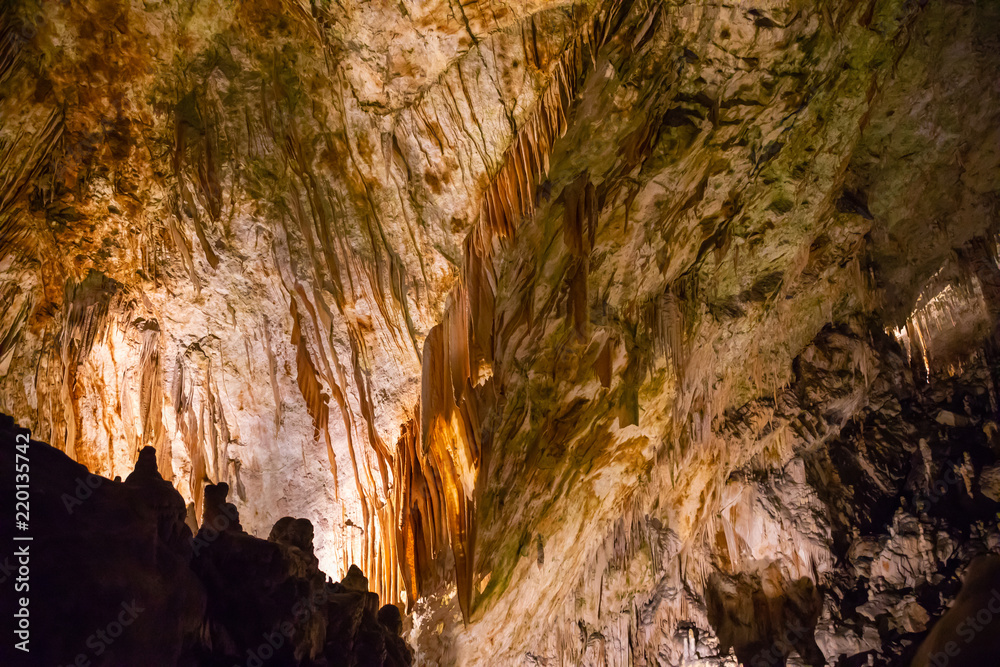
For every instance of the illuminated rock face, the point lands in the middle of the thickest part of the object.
(558, 320)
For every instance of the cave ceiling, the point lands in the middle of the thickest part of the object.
(485, 290)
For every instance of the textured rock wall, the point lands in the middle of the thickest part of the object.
(517, 302)
(706, 309)
(227, 229)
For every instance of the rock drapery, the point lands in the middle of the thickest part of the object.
(558, 319)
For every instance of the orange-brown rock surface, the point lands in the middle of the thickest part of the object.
(547, 315)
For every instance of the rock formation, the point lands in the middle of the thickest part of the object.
(969, 634)
(607, 332)
(108, 554)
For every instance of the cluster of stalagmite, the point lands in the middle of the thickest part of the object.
(213, 596)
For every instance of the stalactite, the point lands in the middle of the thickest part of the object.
(200, 420)
(579, 228)
(944, 307)
(17, 305)
(189, 124)
(367, 408)
(481, 292)
(416, 534)
(85, 322)
(272, 367)
(669, 331)
(317, 401)
(183, 246)
(187, 423)
(449, 437)
(328, 374)
(457, 341)
(151, 401)
(209, 186)
(17, 178)
(510, 195)
(603, 364)
(437, 466)
(10, 47)
(86, 318)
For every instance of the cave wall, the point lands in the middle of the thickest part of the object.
(228, 227)
(771, 223)
(512, 300)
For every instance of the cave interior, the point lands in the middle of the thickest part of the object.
(550, 333)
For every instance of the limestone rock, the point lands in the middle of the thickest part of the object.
(354, 580)
(563, 322)
(989, 482)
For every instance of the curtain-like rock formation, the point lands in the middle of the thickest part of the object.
(571, 324)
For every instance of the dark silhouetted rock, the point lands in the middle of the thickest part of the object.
(968, 635)
(355, 580)
(117, 578)
(106, 559)
(390, 617)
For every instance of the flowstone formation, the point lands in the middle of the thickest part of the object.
(611, 332)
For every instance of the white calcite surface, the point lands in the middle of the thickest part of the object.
(577, 327)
